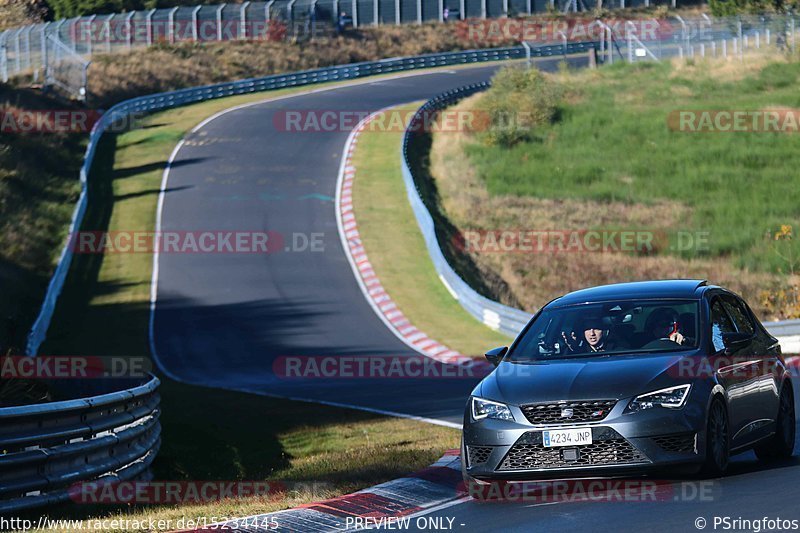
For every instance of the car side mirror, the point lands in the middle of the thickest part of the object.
(496, 355)
(736, 341)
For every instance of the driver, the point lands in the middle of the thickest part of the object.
(594, 337)
(662, 324)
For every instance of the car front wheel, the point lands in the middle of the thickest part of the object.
(717, 440)
(781, 444)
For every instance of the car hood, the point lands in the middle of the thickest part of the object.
(584, 378)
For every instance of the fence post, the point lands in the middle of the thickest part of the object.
(195, 24)
(355, 14)
(43, 45)
(107, 25)
(219, 21)
(462, 7)
(171, 25)
(27, 54)
(528, 6)
(375, 13)
(149, 26)
(90, 41)
(129, 29)
(243, 16)
(419, 11)
(17, 60)
(791, 25)
(441, 10)
(397, 12)
(3, 57)
(483, 9)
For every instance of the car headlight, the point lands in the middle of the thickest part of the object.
(482, 408)
(672, 398)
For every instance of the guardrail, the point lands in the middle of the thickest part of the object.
(49, 449)
(497, 316)
(168, 100)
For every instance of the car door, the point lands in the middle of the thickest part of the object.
(731, 368)
(762, 384)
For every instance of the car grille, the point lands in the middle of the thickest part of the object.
(676, 443)
(478, 454)
(608, 448)
(555, 412)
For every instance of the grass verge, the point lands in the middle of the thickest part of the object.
(397, 251)
(609, 161)
(211, 434)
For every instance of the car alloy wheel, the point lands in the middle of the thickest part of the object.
(717, 440)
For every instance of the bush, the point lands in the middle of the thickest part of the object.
(519, 101)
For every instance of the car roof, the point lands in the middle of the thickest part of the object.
(687, 289)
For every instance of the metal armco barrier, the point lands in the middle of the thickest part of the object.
(497, 316)
(494, 314)
(161, 101)
(48, 448)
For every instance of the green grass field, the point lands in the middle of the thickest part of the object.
(397, 251)
(612, 144)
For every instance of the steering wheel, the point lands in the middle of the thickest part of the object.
(663, 342)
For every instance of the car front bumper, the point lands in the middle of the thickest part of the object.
(622, 443)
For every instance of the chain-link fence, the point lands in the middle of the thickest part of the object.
(39, 50)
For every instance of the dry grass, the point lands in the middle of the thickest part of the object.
(531, 279)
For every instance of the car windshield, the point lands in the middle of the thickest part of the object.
(627, 326)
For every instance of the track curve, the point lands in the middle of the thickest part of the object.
(222, 319)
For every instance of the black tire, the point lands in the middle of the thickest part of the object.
(781, 444)
(718, 447)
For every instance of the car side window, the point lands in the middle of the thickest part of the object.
(738, 313)
(720, 323)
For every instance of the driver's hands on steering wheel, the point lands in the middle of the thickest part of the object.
(677, 338)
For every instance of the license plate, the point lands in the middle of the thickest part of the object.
(567, 437)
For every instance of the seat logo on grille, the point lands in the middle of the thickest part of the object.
(567, 413)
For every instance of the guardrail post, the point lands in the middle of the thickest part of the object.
(149, 26)
(219, 21)
(129, 29)
(243, 16)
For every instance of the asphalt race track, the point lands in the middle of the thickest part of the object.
(223, 320)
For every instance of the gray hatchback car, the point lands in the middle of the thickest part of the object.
(630, 377)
